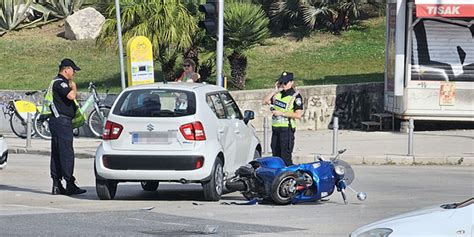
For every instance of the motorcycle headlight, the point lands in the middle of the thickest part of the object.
(378, 232)
(339, 169)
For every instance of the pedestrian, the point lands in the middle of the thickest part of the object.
(188, 75)
(63, 107)
(286, 105)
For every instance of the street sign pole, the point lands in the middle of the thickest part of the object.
(119, 34)
(220, 43)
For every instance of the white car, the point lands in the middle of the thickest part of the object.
(3, 152)
(446, 220)
(174, 132)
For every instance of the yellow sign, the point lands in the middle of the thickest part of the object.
(23, 106)
(447, 93)
(140, 61)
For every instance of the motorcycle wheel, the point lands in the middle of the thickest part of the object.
(284, 188)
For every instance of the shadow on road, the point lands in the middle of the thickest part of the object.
(18, 189)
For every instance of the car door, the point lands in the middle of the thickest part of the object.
(240, 130)
(225, 131)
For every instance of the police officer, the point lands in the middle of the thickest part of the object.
(286, 106)
(63, 108)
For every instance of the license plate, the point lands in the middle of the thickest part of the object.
(166, 137)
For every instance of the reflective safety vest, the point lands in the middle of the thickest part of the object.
(50, 109)
(284, 105)
(48, 104)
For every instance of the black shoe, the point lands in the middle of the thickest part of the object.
(58, 189)
(72, 189)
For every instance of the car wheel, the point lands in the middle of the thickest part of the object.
(150, 185)
(106, 189)
(214, 187)
(256, 154)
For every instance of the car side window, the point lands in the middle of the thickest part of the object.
(214, 102)
(233, 111)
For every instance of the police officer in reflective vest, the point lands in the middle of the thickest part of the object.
(286, 106)
(63, 110)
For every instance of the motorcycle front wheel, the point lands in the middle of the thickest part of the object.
(284, 188)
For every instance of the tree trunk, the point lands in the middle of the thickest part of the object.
(168, 69)
(238, 69)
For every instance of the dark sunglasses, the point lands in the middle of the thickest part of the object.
(186, 65)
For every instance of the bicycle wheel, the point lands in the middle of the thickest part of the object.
(96, 122)
(18, 126)
(41, 126)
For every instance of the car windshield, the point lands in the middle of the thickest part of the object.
(156, 103)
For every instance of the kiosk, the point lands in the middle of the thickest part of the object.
(429, 67)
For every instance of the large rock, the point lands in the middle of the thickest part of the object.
(84, 24)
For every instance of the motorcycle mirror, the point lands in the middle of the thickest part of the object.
(361, 196)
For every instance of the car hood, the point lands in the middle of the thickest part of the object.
(414, 222)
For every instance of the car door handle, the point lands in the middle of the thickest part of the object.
(237, 132)
(221, 131)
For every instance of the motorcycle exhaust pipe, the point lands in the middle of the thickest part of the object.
(237, 185)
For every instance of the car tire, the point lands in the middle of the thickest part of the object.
(256, 154)
(106, 189)
(150, 185)
(214, 187)
(281, 192)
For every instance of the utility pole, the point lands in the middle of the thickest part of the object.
(119, 33)
(213, 23)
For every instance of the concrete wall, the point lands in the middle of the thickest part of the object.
(351, 103)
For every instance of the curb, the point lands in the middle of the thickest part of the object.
(80, 155)
(399, 160)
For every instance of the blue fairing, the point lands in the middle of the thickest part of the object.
(322, 173)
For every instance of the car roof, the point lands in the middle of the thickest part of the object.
(196, 87)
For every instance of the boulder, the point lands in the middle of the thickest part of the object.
(84, 24)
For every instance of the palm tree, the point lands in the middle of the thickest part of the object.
(167, 23)
(333, 14)
(245, 26)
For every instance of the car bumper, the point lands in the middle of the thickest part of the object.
(174, 166)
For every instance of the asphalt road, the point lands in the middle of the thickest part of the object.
(28, 209)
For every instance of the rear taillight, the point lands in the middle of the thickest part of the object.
(193, 131)
(112, 131)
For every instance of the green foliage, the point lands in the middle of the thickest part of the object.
(167, 24)
(357, 55)
(245, 26)
(12, 14)
(58, 8)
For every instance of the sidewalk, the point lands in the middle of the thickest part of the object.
(430, 147)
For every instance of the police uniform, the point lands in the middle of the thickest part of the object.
(62, 152)
(63, 111)
(283, 128)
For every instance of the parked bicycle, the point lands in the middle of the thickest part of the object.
(95, 121)
(15, 109)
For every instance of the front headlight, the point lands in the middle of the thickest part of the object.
(339, 169)
(379, 232)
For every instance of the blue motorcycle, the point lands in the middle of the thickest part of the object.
(269, 179)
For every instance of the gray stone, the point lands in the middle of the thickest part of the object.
(84, 24)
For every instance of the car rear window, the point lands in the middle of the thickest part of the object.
(156, 103)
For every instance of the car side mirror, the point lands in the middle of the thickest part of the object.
(248, 115)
